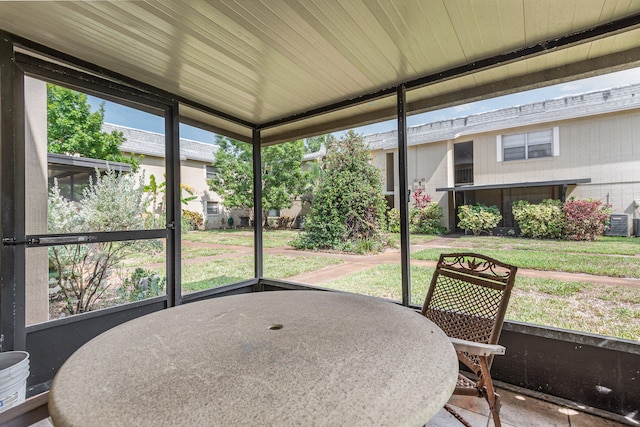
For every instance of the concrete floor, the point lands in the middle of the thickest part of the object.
(517, 411)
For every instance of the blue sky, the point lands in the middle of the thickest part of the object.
(124, 116)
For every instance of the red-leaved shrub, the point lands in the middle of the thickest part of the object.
(586, 219)
(421, 198)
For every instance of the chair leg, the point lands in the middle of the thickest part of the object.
(495, 409)
(457, 416)
(490, 394)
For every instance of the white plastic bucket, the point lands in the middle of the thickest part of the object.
(14, 371)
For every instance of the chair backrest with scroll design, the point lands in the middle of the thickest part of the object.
(468, 296)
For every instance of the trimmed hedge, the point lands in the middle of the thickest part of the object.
(551, 219)
(540, 221)
(478, 218)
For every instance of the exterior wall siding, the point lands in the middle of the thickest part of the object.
(193, 174)
(428, 163)
(605, 149)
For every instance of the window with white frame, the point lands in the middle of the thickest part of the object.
(210, 171)
(528, 145)
(213, 208)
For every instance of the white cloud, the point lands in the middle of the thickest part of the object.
(465, 107)
(570, 87)
(620, 78)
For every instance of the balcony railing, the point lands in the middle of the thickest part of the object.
(464, 174)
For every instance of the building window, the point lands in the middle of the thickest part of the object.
(273, 213)
(529, 145)
(390, 173)
(210, 171)
(463, 163)
(213, 208)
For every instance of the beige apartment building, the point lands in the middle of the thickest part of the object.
(583, 146)
(196, 159)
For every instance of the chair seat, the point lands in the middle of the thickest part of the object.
(464, 382)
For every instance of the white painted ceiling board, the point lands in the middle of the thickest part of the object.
(261, 61)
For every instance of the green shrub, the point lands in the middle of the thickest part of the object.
(111, 202)
(141, 285)
(192, 220)
(426, 220)
(362, 246)
(545, 220)
(393, 220)
(284, 222)
(478, 218)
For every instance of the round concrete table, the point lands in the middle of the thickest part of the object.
(268, 358)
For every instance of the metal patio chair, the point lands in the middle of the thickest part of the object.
(467, 299)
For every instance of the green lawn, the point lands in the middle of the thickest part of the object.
(242, 237)
(604, 246)
(219, 272)
(548, 259)
(588, 307)
(158, 256)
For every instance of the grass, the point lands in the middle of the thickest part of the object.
(553, 260)
(219, 272)
(158, 257)
(581, 306)
(416, 239)
(604, 246)
(190, 252)
(272, 238)
(585, 307)
(382, 281)
(284, 267)
(243, 237)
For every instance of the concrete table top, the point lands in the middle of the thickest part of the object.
(267, 358)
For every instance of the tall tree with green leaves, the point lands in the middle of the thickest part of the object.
(282, 176)
(347, 212)
(313, 144)
(73, 129)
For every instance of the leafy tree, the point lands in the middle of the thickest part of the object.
(313, 144)
(282, 176)
(234, 173)
(348, 207)
(73, 129)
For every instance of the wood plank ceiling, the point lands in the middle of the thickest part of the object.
(262, 61)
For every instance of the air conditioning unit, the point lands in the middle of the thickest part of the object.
(618, 225)
(636, 227)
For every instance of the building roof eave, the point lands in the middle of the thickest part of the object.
(517, 185)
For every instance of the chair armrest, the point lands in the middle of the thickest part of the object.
(476, 348)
